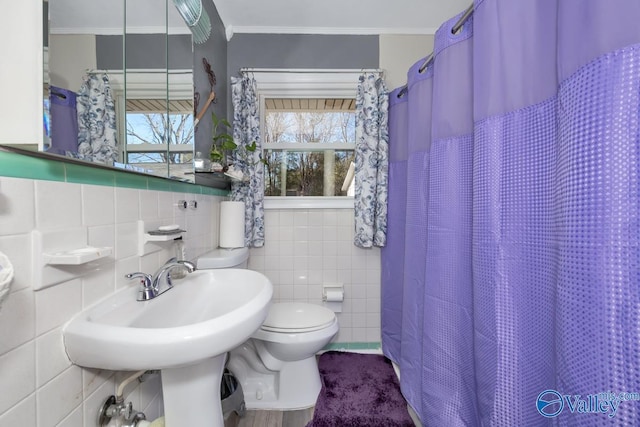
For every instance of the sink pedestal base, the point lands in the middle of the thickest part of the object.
(192, 394)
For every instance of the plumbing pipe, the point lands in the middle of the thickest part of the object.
(125, 382)
(116, 411)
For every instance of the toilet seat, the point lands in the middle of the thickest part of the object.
(293, 337)
(297, 317)
(295, 330)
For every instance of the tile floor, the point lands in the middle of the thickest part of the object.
(271, 419)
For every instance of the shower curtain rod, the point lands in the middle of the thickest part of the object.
(456, 27)
(467, 14)
(310, 70)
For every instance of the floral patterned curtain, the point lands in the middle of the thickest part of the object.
(372, 161)
(246, 131)
(96, 120)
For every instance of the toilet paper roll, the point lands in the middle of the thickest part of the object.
(232, 224)
(334, 296)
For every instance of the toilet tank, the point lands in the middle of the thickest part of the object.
(223, 258)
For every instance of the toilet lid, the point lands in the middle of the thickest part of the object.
(296, 316)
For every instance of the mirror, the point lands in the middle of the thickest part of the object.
(142, 50)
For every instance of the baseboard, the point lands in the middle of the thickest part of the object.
(354, 347)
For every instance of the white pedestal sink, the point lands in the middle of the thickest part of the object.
(193, 387)
(185, 332)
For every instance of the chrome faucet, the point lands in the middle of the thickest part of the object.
(148, 291)
(151, 284)
(163, 273)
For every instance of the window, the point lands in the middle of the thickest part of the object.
(308, 137)
(308, 146)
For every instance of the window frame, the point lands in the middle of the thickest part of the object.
(303, 83)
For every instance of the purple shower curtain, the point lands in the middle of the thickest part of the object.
(393, 271)
(447, 362)
(597, 202)
(514, 235)
(522, 229)
(420, 85)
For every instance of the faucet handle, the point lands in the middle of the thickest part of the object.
(148, 291)
(146, 278)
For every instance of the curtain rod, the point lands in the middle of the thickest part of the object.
(464, 18)
(310, 70)
(456, 27)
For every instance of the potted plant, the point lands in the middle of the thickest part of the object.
(223, 144)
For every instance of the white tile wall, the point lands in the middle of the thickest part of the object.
(306, 248)
(39, 387)
(58, 205)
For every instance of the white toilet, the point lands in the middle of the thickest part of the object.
(277, 366)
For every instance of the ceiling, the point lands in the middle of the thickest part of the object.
(261, 16)
(337, 16)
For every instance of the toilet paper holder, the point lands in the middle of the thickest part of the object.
(332, 296)
(332, 292)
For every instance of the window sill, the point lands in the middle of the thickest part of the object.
(274, 202)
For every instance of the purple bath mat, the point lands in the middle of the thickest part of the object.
(359, 390)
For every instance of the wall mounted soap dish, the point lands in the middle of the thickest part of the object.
(160, 234)
(76, 256)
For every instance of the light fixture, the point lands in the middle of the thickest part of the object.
(196, 18)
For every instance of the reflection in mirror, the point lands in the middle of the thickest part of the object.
(160, 131)
(137, 58)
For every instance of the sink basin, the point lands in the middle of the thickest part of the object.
(207, 313)
(184, 332)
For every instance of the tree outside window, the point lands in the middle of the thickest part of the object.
(160, 141)
(308, 152)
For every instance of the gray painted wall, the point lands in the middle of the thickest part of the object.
(215, 51)
(109, 52)
(302, 51)
(145, 51)
(226, 59)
